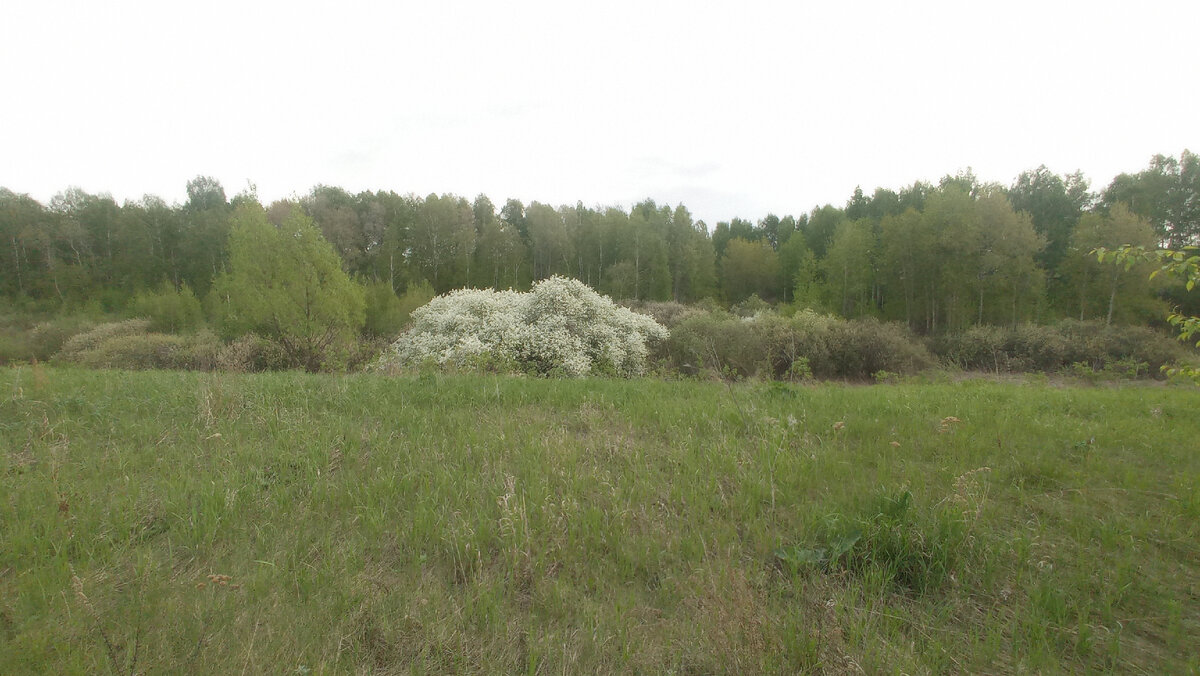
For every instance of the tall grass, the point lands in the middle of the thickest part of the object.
(178, 522)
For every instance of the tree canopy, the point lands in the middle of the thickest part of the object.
(286, 283)
(940, 256)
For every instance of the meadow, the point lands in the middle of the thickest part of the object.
(184, 522)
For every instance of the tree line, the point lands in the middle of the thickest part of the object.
(940, 257)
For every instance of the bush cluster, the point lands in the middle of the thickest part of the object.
(252, 354)
(666, 312)
(24, 341)
(92, 339)
(14, 346)
(1067, 345)
(129, 345)
(48, 337)
(767, 345)
(169, 310)
(561, 326)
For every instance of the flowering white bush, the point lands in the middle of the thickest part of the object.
(560, 325)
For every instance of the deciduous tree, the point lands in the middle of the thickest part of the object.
(286, 283)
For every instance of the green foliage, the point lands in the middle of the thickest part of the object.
(800, 270)
(769, 346)
(130, 345)
(48, 337)
(252, 354)
(1054, 204)
(168, 309)
(1120, 369)
(750, 307)
(750, 268)
(414, 296)
(1102, 348)
(863, 347)
(1114, 292)
(287, 284)
(385, 313)
(360, 355)
(1184, 265)
(914, 550)
(941, 258)
(668, 313)
(24, 338)
(1167, 194)
(194, 352)
(442, 239)
(849, 270)
(14, 345)
(92, 339)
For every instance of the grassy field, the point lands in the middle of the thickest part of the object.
(286, 523)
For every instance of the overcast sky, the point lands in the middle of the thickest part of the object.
(733, 108)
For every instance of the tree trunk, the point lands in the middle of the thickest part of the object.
(637, 270)
(1112, 296)
(17, 261)
(845, 290)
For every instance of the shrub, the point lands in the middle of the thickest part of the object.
(1068, 345)
(48, 337)
(668, 313)
(362, 353)
(1037, 348)
(127, 349)
(1101, 345)
(771, 346)
(23, 338)
(863, 347)
(386, 314)
(251, 354)
(14, 346)
(805, 337)
(416, 295)
(169, 310)
(92, 339)
(977, 348)
(559, 327)
(751, 306)
(719, 342)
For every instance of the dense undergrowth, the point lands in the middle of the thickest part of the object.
(175, 522)
(758, 343)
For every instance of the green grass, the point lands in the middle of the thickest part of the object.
(502, 525)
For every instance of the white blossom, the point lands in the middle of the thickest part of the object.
(560, 326)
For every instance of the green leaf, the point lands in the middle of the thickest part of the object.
(797, 557)
(844, 544)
